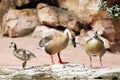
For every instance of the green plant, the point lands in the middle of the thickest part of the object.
(113, 12)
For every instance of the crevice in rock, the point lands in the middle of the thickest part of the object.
(34, 3)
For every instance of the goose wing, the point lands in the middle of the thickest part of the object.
(45, 40)
(23, 54)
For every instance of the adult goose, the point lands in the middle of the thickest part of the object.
(95, 47)
(21, 54)
(56, 42)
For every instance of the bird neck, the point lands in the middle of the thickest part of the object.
(96, 35)
(15, 48)
(67, 32)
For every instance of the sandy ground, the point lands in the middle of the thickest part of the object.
(70, 54)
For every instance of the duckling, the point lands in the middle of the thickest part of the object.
(21, 54)
(56, 42)
(95, 47)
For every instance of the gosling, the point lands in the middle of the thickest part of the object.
(95, 47)
(21, 54)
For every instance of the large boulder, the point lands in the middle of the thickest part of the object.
(54, 17)
(86, 16)
(47, 15)
(42, 31)
(82, 38)
(21, 2)
(68, 19)
(76, 5)
(69, 4)
(5, 5)
(85, 10)
(19, 22)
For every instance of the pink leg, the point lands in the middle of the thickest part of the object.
(52, 59)
(90, 61)
(101, 62)
(60, 60)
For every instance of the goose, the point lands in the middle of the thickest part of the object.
(95, 47)
(21, 54)
(56, 42)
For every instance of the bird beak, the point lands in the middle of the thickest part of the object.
(74, 42)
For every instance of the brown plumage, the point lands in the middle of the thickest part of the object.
(21, 54)
(56, 42)
(95, 47)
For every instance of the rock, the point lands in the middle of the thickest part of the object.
(69, 4)
(85, 10)
(54, 17)
(21, 2)
(42, 31)
(77, 5)
(70, 71)
(83, 37)
(105, 27)
(101, 15)
(85, 16)
(47, 15)
(19, 22)
(5, 5)
(117, 31)
(89, 4)
(68, 20)
(107, 43)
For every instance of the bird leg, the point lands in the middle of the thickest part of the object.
(24, 64)
(52, 59)
(101, 61)
(60, 60)
(90, 61)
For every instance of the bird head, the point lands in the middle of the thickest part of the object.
(13, 45)
(96, 35)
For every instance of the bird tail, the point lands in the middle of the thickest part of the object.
(32, 56)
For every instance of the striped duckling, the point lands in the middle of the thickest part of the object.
(21, 54)
(95, 47)
(56, 42)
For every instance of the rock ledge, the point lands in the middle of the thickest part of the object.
(71, 71)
